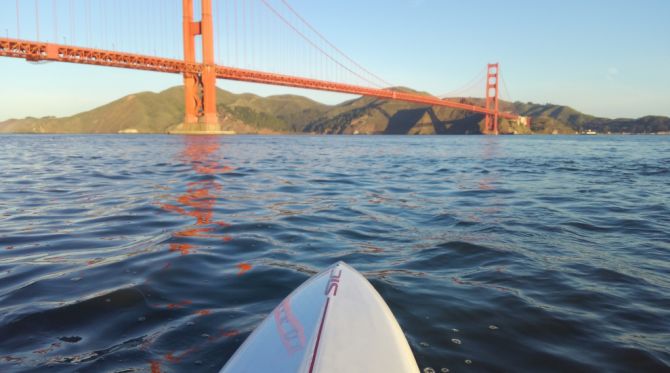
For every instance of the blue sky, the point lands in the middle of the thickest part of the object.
(607, 58)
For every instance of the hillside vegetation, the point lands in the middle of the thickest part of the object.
(149, 112)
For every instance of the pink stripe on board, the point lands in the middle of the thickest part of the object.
(318, 337)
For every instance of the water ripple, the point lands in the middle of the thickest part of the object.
(161, 253)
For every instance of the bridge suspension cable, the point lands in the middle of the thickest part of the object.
(338, 50)
(473, 88)
(315, 45)
(507, 95)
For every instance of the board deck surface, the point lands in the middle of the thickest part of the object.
(334, 322)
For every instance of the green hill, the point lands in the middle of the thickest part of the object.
(558, 119)
(145, 111)
(368, 115)
(149, 112)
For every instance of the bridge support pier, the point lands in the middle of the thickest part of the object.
(200, 116)
(491, 120)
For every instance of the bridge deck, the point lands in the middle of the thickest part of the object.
(38, 51)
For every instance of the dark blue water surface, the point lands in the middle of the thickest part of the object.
(159, 253)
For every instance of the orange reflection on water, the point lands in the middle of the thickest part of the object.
(175, 358)
(155, 366)
(179, 305)
(184, 248)
(198, 203)
(198, 151)
(243, 268)
(201, 152)
(202, 312)
(486, 183)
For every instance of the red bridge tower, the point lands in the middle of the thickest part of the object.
(491, 121)
(199, 88)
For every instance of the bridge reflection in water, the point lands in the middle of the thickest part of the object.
(199, 201)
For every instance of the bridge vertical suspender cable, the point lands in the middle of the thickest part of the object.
(55, 20)
(37, 19)
(217, 25)
(145, 21)
(227, 31)
(237, 49)
(18, 21)
(245, 32)
(103, 16)
(87, 21)
(117, 26)
(154, 42)
(251, 35)
(72, 26)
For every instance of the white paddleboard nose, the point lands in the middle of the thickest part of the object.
(334, 322)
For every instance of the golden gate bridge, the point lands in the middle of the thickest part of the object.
(245, 32)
